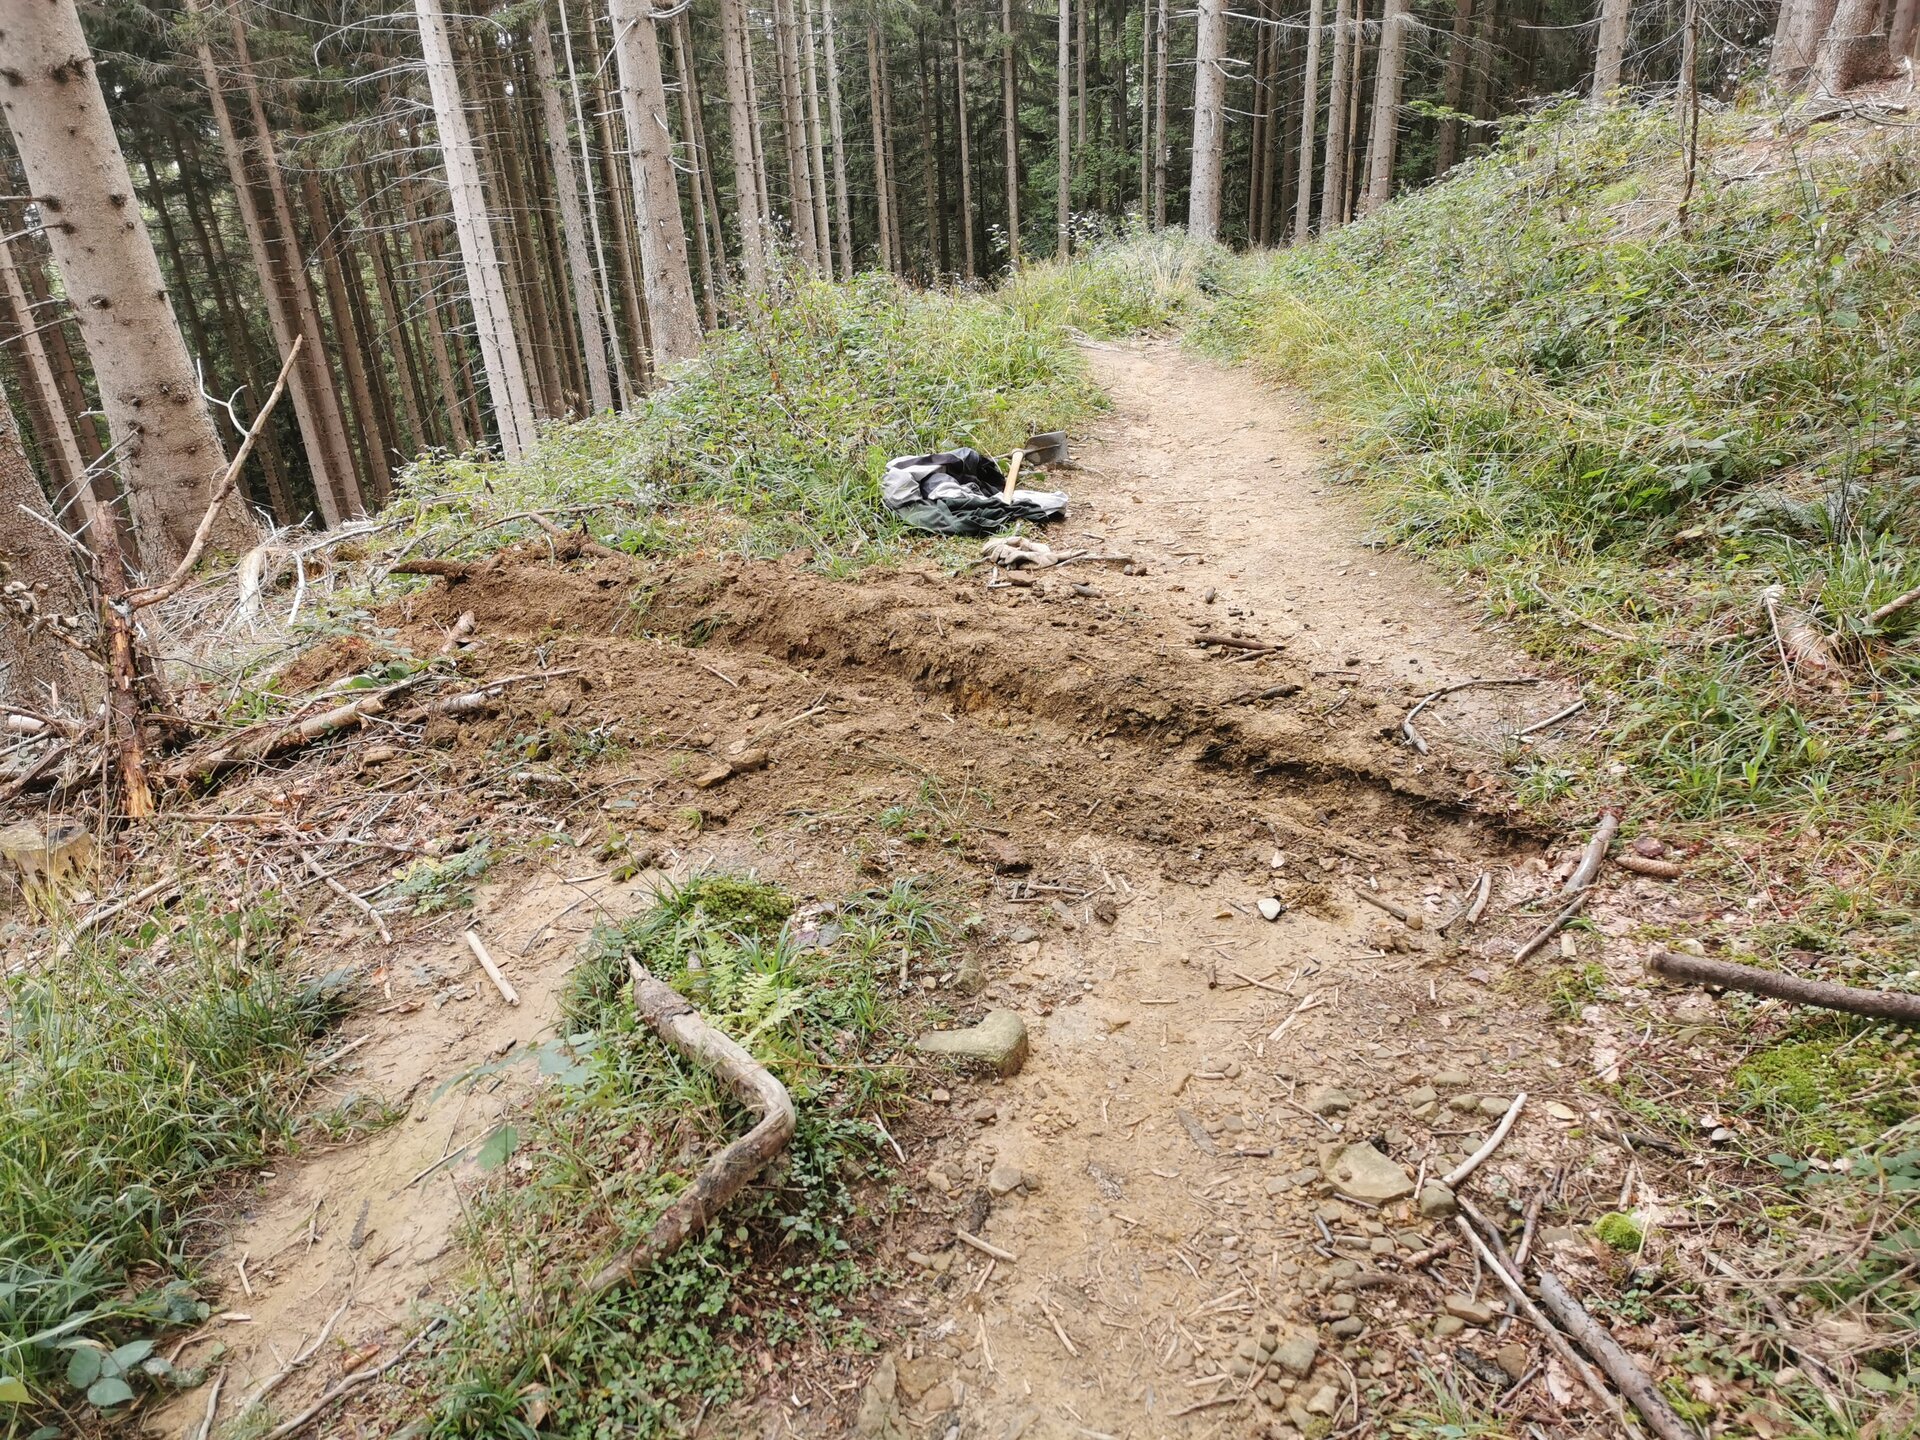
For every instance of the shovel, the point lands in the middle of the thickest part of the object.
(1040, 450)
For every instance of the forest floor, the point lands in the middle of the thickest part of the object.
(1113, 799)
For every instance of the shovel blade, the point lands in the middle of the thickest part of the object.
(1047, 449)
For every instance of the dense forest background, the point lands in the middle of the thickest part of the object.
(482, 218)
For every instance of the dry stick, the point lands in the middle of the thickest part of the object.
(1475, 904)
(154, 594)
(1553, 927)
(1413, 735)
(1554, 719)
(347, 895)
(213, 1395)
(1893, 607)
(445, 569)
(273, 1381)
(1556, 1342)
(1399, 912)
(985, 1247)
(95, 918)
(1877, 1004)
(500, 981)
(675, 1021)
(348, 1382)
(1598, 1342)
(578, 539)
(1473, 1162)
(1597, 847)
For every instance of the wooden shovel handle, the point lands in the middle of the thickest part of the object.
(1013, 473)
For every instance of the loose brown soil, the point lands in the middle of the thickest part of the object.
(1125, 797)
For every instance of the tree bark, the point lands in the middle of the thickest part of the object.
(1388, 74)
(463, 437)
(59, 446)
(1258, 142)
(1903, 30)
(969, 270)
(894, 208)
(842, 211)
(1309, 110)
(1349, 157)
(1146, 110)
(1854, 49)
(1724, 974)
(170, 453)
(394, 329)
(32, 656)
(620, 199)
(1063, 150)
(793, 133)
(1796, 38)
(1209, 120)
(1334, 168)
(1482, 106)
(671, 313)
(742, 122)
(342, 472)
(1611, 48)
(353, 349)
(586, 135)
(697, 160)
(1012, 98)
(882, 189)
(486, 77)
(486, 282)
(573, 225)
(1453, 87)
(1161, 34)
(816, 148)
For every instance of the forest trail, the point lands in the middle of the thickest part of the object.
(1153, 792)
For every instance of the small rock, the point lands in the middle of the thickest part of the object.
(938, 1180)
(999, 1042)
(938, 1400)
(1296, 1353)
(1363, 1173)
(706, 780)
(1448, 1326)
(1437, 1202)
(1452, 1079)
(1324, 1400)
(1425, 1095)
(1022, 934)
(1512, 1359)
(1270, 908)
(876, 1401)
(1562, 1112)
(939, 1095)
(971, 978)
(748, 761)
(983, 1112)
(1105, 911)
(1468, 1310)
(1648, 846)
(1465, 1104)
(1348, 1328)
(1004, 1178)
(1327, 1100)
(1240, 1367)
(1493, 1106)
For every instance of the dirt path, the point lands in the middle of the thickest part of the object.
(1194, 1066)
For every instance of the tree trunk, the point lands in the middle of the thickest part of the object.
(882, 190)
(59, 446)
(1796, 38)
(793, 132)
(394, 331)
(816, 148)
(32, 657)
(1853, 51)
(170, 454)
(1385, 142)
(1257, 140)
(1482, 106)
(1146, 110)
(1609, 51)
(1309, 110)
(1063, 189)
(842, 209)
(463, 437)
(671, 313)
(341, 468)
(927, 92)
(352, 348)
(573, 226)
(1334, 168)
(742, 122)
(499, 152)
(1012, 97)
(936, 98)
(1161, 35)
(1349, 168)
(1903, 30)
(891, 130)
(1080, 74)
(486, 283)
(970, 270)
(697, 159)
(1453, 87)
(586, 135)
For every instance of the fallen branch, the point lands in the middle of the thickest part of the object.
(1589, 866)
(1554, 926)
(154, 594)
(985, 1247)
(95, 918)
(1475, 905)
(462, 629)
(1556, 1342)
(1892, 608)
(494, 973)
(1554, 719)
(452, 571)
(358, 903)
(1413, 735)
(1815, 1367)
(1598, 1342)
(349, 1382)
(1412, 919)
(1473, 1162)
(579, 542)
(675, 1021)
(1233, 642)
(1824, 994)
